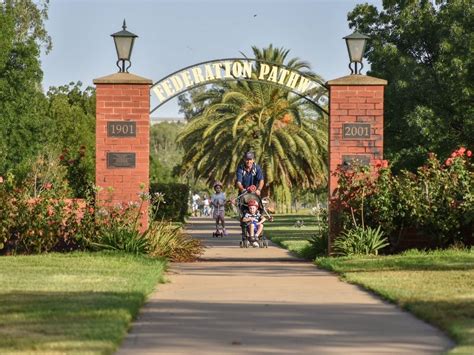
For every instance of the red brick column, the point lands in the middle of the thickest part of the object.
(122, 139)
(355, 127)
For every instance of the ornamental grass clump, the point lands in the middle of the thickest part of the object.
(119, 230)
(360, 241)
(318, 243)
(168, 240)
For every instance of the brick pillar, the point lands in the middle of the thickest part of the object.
(122, 139)
(355, 128)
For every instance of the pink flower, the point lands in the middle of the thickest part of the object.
(47, 186)
(1, 179)
(469, 153)
(449, 161)
(461, 150)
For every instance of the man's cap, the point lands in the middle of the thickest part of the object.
(249, 156)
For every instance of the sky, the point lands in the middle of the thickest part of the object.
(173, 34)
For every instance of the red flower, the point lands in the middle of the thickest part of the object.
(449, 161)
(469, 153)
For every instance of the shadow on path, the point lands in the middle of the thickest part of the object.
(265, 301)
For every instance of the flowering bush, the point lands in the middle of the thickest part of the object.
(437, 200)
(53, 223)
(37, 225)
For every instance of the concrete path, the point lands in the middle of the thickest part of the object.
(264, 301)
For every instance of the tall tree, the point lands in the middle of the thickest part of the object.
(71, 113)
(287, 134)
(425, 49)
(22, 34)
(165, 154)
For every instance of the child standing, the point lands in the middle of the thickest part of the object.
(218, 201)
(254, 221)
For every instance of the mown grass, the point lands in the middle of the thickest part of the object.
(283, 231)
(436, 286)
(72, 303)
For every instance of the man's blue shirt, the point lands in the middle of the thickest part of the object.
(248, 178)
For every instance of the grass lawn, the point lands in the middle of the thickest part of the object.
(436, 286)
(283, 232)
(72, 303)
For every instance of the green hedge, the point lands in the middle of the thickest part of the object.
(176, 198)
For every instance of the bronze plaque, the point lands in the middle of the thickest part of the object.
(121, 129)
(360, 159)
(120, 160)
(356, 131)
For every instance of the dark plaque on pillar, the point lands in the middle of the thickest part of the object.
(121, 129)
(120, 160)
(348, 160)
(355, 130)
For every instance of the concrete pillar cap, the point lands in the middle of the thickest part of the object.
(122, 78)
(356, 79)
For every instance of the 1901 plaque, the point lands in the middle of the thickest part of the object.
(121, 160)
(122, 129)
(355, 159)
(356, 130)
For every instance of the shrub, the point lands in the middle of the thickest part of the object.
(175, 206)
(43, 224)
(54, 223)
(437, 200)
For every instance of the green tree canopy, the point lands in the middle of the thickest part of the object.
(165, 154)
(425, 49)
(22, 34)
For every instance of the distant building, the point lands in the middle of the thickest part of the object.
(155, 120)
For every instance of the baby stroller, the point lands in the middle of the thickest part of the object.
(242, 204)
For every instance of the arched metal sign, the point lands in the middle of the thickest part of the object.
(238, 69)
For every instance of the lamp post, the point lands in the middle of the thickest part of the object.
(356, 47)
(124, 45)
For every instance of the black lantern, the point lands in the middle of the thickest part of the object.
(124, 46)
(356, 47)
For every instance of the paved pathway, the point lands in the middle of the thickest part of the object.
(264, 301)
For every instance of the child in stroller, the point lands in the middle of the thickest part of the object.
(251, 208)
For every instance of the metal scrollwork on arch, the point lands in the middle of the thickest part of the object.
(301, 84)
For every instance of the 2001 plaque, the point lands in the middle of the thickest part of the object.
(355, 130)
(121, 129)
(121, 160)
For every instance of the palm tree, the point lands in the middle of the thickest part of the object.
(286, 132)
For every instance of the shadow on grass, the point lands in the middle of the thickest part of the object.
(66, 321)
(402, 263)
